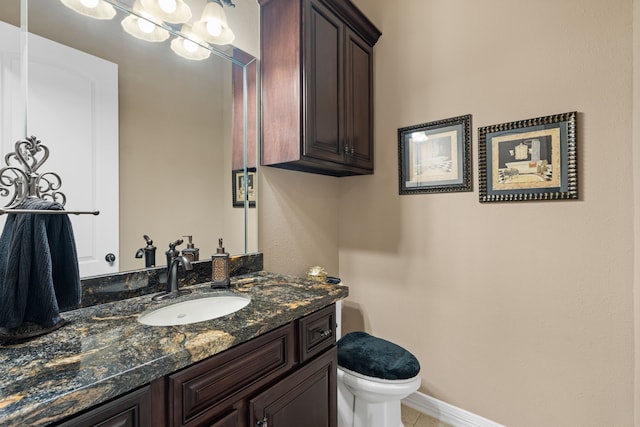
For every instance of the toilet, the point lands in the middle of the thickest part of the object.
(374, 375)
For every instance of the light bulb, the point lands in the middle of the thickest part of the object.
(214, 27)
(189, 46)
(145, 26)
(92, 4)
(168, 6)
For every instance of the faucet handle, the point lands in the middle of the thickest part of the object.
(173, 252)
(172, 245)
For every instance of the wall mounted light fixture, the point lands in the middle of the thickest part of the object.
(144, 26)
(213, 26)
(171, 11)
(153, 20)
(189, 48)
(96, 9)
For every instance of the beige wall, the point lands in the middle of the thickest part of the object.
(518, 312)
(299, 221)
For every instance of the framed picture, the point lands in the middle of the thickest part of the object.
(435, 157)
(242, 192)
(531, 159)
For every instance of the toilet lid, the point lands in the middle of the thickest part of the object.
(375, 357)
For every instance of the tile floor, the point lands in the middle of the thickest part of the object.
(413, 418)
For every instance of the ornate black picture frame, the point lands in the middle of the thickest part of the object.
(238, 187)
(435, 157)
(532, 159)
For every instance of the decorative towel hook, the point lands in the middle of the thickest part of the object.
(20, 178)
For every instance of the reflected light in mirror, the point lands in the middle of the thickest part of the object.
(213, 26)
(96, 9)
(171, 11)
(144, 28)
(144, 145)
(189, 48)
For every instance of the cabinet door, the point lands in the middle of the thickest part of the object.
(359, 101)
(305, 398)
(324, 84)
(214, 387)
(230, 420)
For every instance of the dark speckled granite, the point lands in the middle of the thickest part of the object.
(104, 352)
(129, 284)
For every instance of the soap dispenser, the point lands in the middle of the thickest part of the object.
(191, 252)
(220, 268)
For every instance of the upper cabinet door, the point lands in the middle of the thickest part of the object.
(324, 78)
(359, 102)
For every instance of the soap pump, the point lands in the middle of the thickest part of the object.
(220, 267)
(191, 252)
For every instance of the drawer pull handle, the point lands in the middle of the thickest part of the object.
(263, 422)
(323, 332)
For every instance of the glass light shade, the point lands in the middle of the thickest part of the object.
(137, 27)
(189, 48)
(213, 26)
(171, 11)
(94, 9)
(144, 29)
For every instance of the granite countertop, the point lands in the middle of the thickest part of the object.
(103, 351)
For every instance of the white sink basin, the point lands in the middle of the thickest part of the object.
(195, 310)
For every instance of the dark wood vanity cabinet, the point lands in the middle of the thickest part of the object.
(213, 390)
(282, 377)
(306, 397)
(317, 86)
(131, 410)
(286, 377)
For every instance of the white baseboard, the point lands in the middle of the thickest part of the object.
(445, 412)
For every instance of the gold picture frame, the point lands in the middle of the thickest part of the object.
(532, 159)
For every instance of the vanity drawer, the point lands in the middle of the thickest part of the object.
(317, 332)
(206, 390)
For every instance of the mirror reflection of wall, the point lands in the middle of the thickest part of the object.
(175, 135)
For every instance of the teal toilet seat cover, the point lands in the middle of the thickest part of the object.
(374, 357)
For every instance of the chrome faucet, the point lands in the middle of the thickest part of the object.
(173, 261)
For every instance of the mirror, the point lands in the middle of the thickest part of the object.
(179, 123)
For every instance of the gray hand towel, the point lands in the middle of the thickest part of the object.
(38, 267)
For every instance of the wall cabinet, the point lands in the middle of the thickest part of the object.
(317, 86)
(277, 379)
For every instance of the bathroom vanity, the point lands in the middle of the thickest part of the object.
(270, 363)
